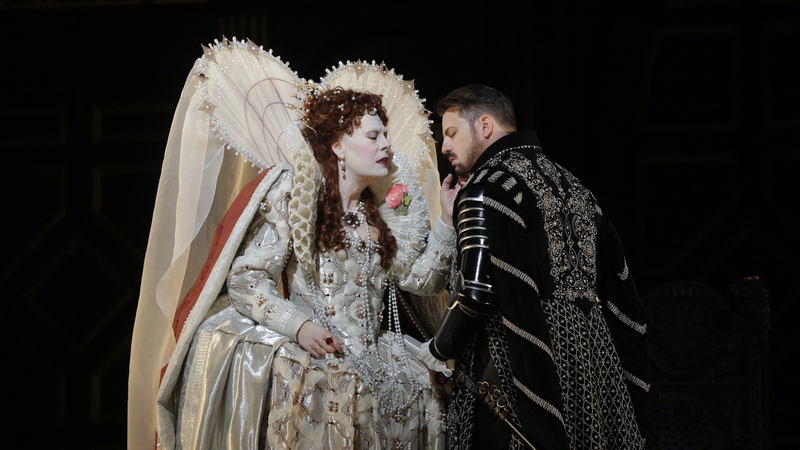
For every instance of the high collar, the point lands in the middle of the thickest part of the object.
(515, 139)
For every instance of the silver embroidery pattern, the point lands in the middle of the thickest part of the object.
(495, 176)
(518, 198)
(461, 413)
(492, 203)
(480, 176)
(514, 271)
(527, 336)
(568, 222)
(624, 274)
(509, 183)
(596, 401)
(641, 329)
(597, 409)
(539, 401)
(498, 351)
(636, 381)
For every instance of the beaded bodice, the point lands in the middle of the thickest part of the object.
(352, 292)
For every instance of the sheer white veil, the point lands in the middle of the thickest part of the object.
(231, 122)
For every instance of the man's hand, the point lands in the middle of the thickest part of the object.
(447, 197)
(439, 380)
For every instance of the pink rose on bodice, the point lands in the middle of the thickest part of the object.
(397, 197)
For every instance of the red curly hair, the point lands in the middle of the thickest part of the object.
(332, 114)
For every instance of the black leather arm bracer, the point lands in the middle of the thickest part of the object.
(474, 298)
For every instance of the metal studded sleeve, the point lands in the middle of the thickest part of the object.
(474, 282)
(474, 297)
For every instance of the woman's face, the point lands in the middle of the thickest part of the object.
(366, 152)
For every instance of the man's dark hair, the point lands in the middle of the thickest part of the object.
(476, 100)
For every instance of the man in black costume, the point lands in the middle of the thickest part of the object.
(542, 305)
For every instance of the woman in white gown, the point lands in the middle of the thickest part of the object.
(281, 347)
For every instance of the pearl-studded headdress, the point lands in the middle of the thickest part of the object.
(258, 112)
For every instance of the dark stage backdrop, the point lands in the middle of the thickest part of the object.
(681, 115)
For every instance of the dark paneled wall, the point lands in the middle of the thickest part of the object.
(681, 116)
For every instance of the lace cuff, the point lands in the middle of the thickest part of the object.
(428, 359)
(294, 322)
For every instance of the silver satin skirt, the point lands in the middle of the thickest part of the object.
(245, 386)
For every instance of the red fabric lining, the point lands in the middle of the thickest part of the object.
(221, 236)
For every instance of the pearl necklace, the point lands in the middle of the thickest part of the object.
(384, 380)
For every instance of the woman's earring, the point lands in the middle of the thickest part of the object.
(342, 167)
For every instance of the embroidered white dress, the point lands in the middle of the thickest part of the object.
(248, 384)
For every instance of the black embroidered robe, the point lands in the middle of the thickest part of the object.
(568, 339)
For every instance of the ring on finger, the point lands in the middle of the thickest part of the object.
(329, 340)
(320, 350)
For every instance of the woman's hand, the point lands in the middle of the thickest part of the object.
(317, 340)
(447, 197)
(439, 380)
